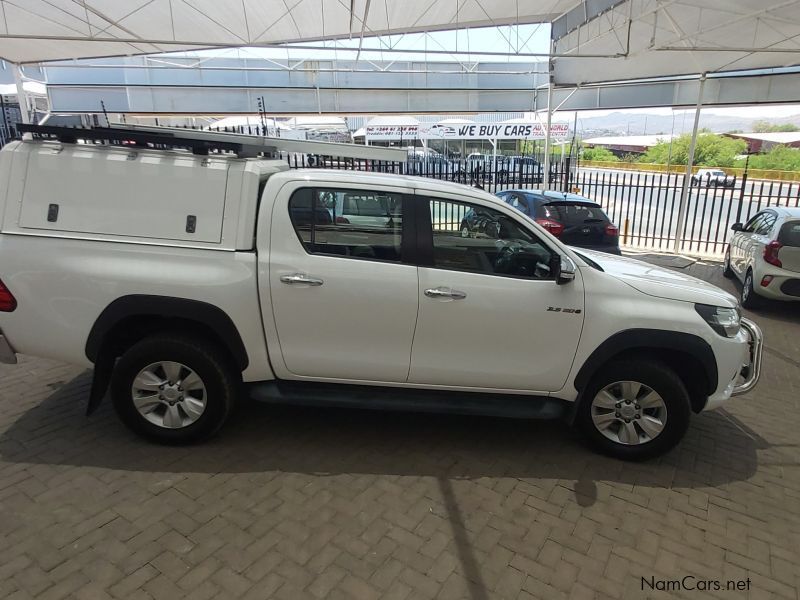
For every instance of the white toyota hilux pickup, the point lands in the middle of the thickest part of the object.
(186, 278)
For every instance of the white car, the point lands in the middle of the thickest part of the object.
(715, 177)
(764, 254)
(179, 277)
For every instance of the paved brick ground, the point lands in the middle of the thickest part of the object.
(292, 503)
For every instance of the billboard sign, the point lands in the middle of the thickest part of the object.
(468, 131)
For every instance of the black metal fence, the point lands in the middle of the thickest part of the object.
(645, 205)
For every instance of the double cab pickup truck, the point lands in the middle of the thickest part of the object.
(188, 270)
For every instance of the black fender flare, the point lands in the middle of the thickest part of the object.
(650, 339)
(141, 305)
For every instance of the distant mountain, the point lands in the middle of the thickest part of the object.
(621, 123)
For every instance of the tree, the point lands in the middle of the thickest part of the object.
(780, 158)
(598, 153)
(712, 150)
(767, 127)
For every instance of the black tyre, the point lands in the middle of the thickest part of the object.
(174, 388)
(749, 298)
(634, 409)
(726, 266)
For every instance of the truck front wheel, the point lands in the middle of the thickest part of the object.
(174, 388)
(634, 409)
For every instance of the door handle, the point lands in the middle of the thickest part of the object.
(445, 292)
(299, 278)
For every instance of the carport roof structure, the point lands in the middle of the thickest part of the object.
(593, 40)
(41, 30)
(651, 38)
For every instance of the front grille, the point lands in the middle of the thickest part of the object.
(791, 287)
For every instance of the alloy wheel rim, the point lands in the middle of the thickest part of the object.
(748, 281)
(629, 413)
(169, 394)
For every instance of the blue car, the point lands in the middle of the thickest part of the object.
(575, 220)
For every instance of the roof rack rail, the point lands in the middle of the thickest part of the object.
(202, 141)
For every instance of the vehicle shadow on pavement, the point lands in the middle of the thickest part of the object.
(718, 448)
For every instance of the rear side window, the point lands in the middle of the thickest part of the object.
(790, 234)
(573, 214)
(351, 223)
(765, 225)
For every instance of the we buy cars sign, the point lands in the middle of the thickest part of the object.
(493, 131)
(468, 131)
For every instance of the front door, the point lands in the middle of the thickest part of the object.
(490, 312)
(344, 302)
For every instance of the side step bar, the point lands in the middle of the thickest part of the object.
(408, 399)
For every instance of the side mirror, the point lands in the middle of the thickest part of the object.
(736, 227)
(562, 269)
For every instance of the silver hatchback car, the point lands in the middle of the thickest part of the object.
(764, 254)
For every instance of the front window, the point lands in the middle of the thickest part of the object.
(477, 239)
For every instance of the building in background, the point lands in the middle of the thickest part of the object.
(620, 145)
(764, 142)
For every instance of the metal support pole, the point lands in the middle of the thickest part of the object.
(22, 95)
(683, 206)
(546, 175)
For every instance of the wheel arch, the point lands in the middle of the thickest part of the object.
(131, 318)
(690, 356)
(131, 314)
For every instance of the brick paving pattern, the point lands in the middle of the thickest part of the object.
(299, 503)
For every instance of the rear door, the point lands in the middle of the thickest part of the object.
(342, 295)
(753, 244)
(584, 223)
(740, 243)
(789, 237)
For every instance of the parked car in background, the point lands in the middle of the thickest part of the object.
(430, 164)
(713, 177)
(764, 254)
(477, 162)
(575, 220)
(522, 169)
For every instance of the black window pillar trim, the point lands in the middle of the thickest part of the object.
(423, 225)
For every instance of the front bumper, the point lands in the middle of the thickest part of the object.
(751, 371)
(7, 354)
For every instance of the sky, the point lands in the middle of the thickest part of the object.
(774, 111)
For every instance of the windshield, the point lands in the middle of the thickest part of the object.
(790, 234)
(574, 213)
(587, 260)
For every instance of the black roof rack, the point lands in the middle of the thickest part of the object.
(135, 138)
(203, 142)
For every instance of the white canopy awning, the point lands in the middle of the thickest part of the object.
(40, 30)
(637, 39)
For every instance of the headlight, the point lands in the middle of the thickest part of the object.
(725, 321)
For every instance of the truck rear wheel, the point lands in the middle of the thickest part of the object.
(173, 389)
(634, 409)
